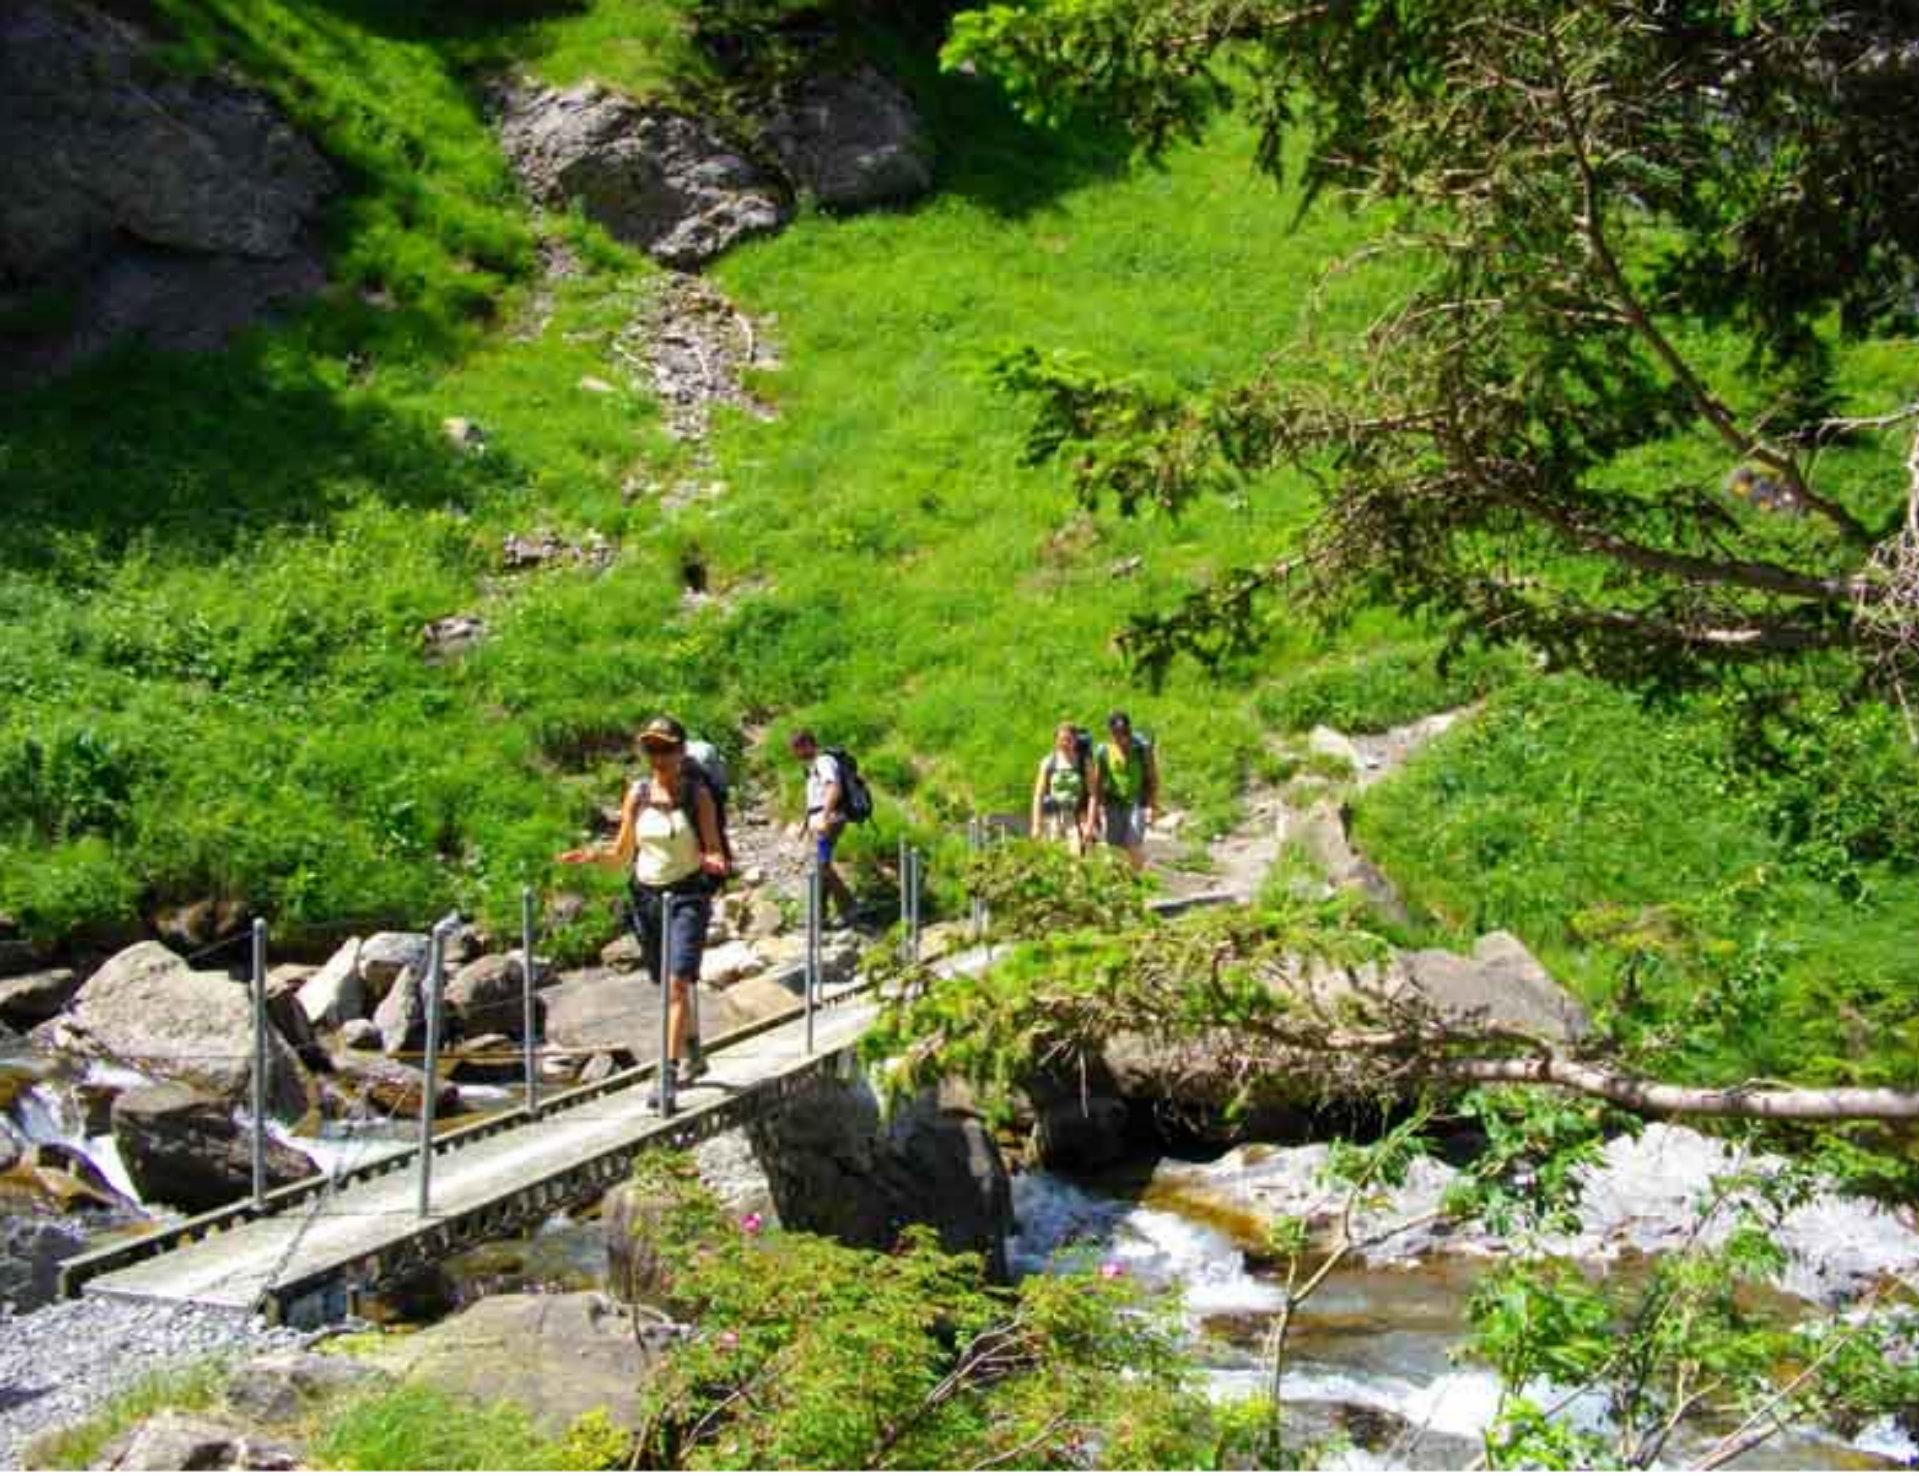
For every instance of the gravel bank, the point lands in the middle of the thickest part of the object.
(60, 1363)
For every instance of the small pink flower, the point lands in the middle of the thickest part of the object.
(752, 1224)
(729, 1339)
(1111, 1270)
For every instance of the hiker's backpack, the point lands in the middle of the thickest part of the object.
(704, 764)
(1082, 749)
(856, 800)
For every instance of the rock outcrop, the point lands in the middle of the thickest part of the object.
(668, 183)
(835, 1168)
(172, 1441)
(851, 140)
(135, 202)
(183, 1148)
(555, 1356)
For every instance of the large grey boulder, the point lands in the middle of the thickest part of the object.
(183, 1148)
(1501, 984)
(382, 958)
(278, 1388)
(27, 1000)
(336, 994)
(487, 996)
(851, 140)
(555, 1356)
(836, 1168)
(401, 1015)
(172, 1441)
(598, 1010)
(666, 182)
(172, 207)
(146, 1007)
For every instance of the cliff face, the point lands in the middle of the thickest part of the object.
(136, 203)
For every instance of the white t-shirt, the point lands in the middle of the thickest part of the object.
(821, 775)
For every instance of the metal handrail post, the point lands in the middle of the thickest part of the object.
(975, 838)
(430, 1088)
(259, 1063)
(918, 861)
(812, 980)
(527, 1045)
(906, 897)
(663, 1080)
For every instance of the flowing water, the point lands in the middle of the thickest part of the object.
(1375, 1357)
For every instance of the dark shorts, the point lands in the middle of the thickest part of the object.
(1125, 825)
(691, 914)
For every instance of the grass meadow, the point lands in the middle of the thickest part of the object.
(215, 570)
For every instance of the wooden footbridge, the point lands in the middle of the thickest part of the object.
(299, 1253)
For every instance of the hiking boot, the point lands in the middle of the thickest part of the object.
(694, 1066)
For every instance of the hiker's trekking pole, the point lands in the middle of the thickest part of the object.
(430, 1088)
(259, 1063)
(812, 980)
(527, 1046)
(663, 1081)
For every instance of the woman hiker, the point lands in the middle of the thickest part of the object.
(1062, 809)
(670, 838)
(1126, 788)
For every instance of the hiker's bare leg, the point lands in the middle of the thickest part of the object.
(678, 1017)
(837, 891)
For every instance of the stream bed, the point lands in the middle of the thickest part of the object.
(1376, 1358)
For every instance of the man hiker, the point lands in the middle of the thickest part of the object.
(826, 815)
(1062, 795)
(1126, 788)
(670, 838)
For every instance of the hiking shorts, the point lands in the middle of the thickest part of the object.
(692, 913)
(1125, 825)
(823, 844)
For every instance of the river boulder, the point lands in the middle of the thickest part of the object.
(851, 140)
(667, 182)
(184, 1148)
(147, 1008)
(487, 996)
(382, 958)
(32, 999)
(336, 994)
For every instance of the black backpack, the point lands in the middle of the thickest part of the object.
(694, 774)
(856, 800)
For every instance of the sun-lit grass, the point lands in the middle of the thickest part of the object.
(215, 569)
(189, 1388)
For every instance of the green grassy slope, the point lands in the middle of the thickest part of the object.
(214, 570)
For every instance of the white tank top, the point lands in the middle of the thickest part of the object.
(667, 848)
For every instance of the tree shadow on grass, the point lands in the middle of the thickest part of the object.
(190, 453)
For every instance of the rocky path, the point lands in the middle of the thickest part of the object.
(1308, 812)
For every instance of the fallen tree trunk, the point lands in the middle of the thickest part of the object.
(1795, 1104)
